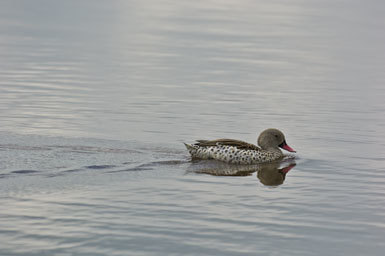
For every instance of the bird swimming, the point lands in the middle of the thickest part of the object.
(240, 152)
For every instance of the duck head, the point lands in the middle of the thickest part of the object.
(273, 138)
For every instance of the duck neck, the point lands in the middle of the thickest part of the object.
(274, 150)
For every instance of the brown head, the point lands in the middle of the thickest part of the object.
(273, 138)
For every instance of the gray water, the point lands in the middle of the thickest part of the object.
(96, 98)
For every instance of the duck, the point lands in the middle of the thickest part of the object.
(239, 152)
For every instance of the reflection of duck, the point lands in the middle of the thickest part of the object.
(240, 152)
(223, 169)
(269, 174)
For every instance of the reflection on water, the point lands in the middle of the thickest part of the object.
(273, 175)
(269, 174)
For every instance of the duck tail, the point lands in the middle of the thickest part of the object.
(188, 146)
(191, 149)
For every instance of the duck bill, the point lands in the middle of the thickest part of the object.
(286, 147)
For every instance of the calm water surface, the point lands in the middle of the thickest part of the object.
(96, 98)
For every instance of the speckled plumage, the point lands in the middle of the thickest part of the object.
(239, 152)
(232, 154)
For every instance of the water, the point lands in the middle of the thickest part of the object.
(97, 97)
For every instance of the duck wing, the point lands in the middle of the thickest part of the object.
(227, 142)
